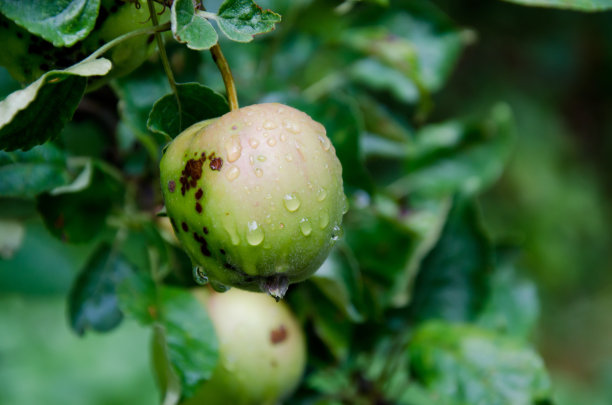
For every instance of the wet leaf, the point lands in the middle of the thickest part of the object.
(578, 5)
(192, 345)
(190, 28)
(240, 20)
(63, 23)
(457, 157)
(472, 366)
(93, 302)
(453, 277)
(77, 212)
(27, 174)
(198, 103)
(38, 113)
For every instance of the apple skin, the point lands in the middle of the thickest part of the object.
(255, 197)
(262, 350)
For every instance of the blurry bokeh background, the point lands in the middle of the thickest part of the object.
(554, 200)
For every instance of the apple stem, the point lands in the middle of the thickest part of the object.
(165, 62)
(226, 74)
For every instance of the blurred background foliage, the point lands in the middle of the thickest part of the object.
(500, 102)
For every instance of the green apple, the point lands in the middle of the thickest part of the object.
(255, 196)
(262, 351)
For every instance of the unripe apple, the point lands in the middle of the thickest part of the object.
(262, 351)
(255, 196)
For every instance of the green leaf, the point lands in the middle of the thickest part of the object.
(240, 20)
(513, 306)
(193, 349)
(7, 83)
(458, 157)
(453, 278)
(469, 365)
(137, 93)
(77, 212)
(27, 174)
(93, 303)
(147, 252)
(339, 279)
(376, 75)
(330, 324)
(167, 381)
(389, 242)
(434, 36)
(409, 53)
(11, 237)
(190, 28)
(579, 5)
(61, 22)
(137, 297)
(38, 113)
(198, 103)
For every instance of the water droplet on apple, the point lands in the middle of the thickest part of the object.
(321, 194)
(199, 275)
(292, 202)
(255, 234)
(305, 226)
(233, 173)
(269, 125)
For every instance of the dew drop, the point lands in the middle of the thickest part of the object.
(269, 125)
(323, 219)
(345, 206)
(336, 233)
(288, 157)
(283, 137)
(292, 127)
(271, 141)
(325, 143)
(251, 160)
(305, 226)
(233, 173)
(268, 196)
(232, 233)
(292, 202)
(258, 172)
(255, 234)
(218, 286)
(199, 275)
(321, 194)
(233, 148)
(261, 158)
(253, 143)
